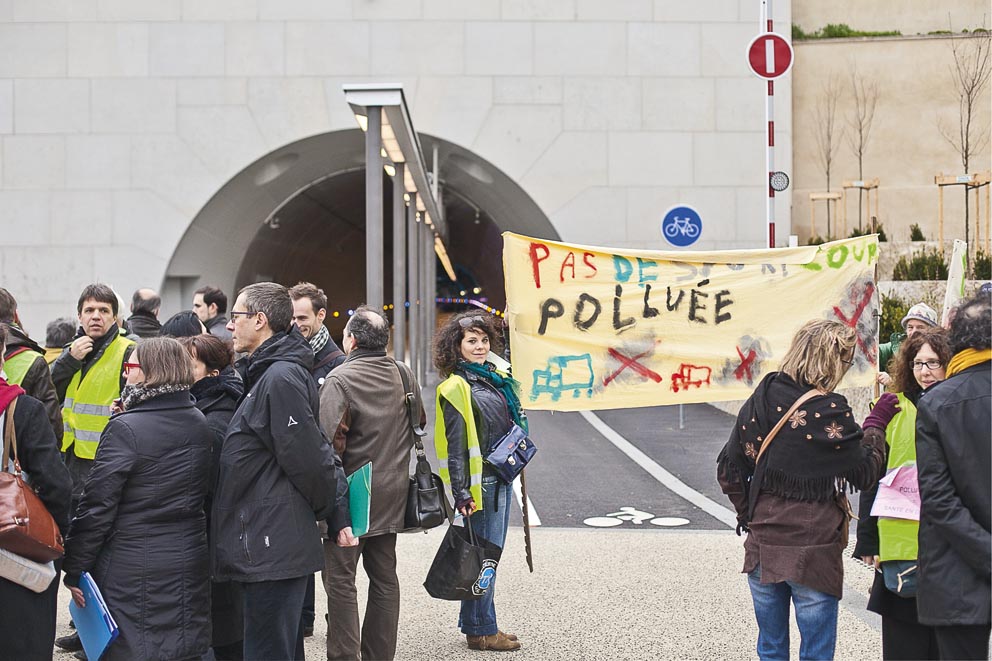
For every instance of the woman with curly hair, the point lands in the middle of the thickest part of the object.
(887, 542)
(789, 493)
(476, 406)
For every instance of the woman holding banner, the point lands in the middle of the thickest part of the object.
(476, 406)
(794, 450)
(889, 541)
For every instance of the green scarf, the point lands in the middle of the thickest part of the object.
(502, 382)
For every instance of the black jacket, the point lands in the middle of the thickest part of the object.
(492, 421)
(140, 530)
(37, 381)
(66, 366)
(27, 619)
(278, 472)
(217, 398)
(144, 324)
(218, 327)
(953, 431)
(329, 357)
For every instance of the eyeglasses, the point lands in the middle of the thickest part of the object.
(235, 313)
(130, 366)
(929, 364)
(466, 322)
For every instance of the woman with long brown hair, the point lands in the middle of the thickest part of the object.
(789, 493)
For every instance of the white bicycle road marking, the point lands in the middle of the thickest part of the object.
(674, 484)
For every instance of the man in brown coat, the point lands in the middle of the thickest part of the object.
(363, 409)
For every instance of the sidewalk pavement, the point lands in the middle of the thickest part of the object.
(601, 594)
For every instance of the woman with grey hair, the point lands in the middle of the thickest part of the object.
(140, 529)
(788, 487)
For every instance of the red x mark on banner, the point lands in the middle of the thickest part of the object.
(858, 311)
(632, 363)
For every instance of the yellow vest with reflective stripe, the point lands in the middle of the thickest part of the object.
(17, 366)
(86, 410)
(458, 392)
(897, 538)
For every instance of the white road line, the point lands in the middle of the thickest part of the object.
(535, 520)
(671, 482)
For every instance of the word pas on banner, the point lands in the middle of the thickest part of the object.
(596, 328)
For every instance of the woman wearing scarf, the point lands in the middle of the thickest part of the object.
(789, 502)
(217, 391)
(139, 529)
(476, 406)
(889, 540)
(27, 618)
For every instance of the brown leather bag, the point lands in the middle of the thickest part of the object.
(26, 527)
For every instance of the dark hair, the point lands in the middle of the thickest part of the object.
(903, 378)
(101, 294)
(141, 304)
(369, 328)
(448, 340)
(8, 306)
(309, 290)
(182, 324)
(212, 294)
(59, 332)
(971, 327)
(272, 300)
(210, 350)
(164, 362)
(4, 330)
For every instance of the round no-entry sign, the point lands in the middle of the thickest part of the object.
(769, 55)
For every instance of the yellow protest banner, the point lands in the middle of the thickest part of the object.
(593, 328)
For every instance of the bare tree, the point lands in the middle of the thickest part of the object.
(828, 133)
(860, 122)
(970, 74)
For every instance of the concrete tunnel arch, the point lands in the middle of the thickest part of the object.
(298, 213)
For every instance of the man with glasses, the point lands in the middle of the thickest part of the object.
(88, 378)
(953, 428)
(278, 475)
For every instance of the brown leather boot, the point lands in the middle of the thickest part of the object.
(511, 636)
(497, 642)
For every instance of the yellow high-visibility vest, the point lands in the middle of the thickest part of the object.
(897, 538)
(16, 367)
(86, 409)
(458, 392)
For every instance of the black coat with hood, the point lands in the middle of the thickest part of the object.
(278, 471)
(953, 432)
(217, 398)
(140, 529)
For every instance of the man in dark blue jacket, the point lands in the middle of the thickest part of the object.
(278, 475)
(953, 428)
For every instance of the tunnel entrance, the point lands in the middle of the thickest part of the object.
(298, 213)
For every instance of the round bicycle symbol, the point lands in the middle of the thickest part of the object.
(681, 226)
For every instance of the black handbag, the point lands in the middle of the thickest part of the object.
(426, 505)
(511, 453)
(464, 566)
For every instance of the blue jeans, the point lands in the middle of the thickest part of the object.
(478, 616)
(816, 616)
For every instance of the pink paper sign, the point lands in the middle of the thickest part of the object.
(898, 495)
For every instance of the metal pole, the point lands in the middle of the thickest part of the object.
(399, 265)
(681, 416)
(413, 281)
(431, 293)
(425, 335)
(770, 153)
(373, 209)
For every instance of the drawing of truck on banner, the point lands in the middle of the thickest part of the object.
(564, 374)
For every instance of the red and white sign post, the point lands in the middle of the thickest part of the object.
(769, 55)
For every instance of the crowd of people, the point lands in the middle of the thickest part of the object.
(197, 470)
(922, 461)
(198, 490)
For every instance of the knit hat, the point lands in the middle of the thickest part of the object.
(921, 312)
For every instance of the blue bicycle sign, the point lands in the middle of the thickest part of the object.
(681, 226)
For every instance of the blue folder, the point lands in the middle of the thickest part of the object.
(94, 623)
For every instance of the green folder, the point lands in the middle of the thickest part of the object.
(360, 499)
